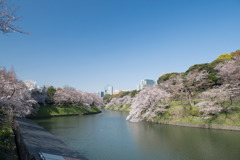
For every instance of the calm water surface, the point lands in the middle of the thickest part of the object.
(108, 136)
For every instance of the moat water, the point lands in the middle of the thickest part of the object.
(108, 136)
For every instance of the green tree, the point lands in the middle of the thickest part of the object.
(50, 92)
(107, 98)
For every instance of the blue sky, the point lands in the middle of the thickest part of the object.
(90, 43)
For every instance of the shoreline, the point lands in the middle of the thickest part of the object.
(32, 139)
(63, 111)
(65, 115)
(194, 125)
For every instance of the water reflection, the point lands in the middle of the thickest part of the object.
(109, 136)
(173, 142)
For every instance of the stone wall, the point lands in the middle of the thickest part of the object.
(31, 139)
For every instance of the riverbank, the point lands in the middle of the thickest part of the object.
(182, 114)
(119, 108)
(194, 125)
(32, 139)
(59, 111)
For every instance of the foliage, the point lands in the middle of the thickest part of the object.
(7, 144)
(200, 67)
(59, 89)
(133, 93)
(210, 68)
(50, 92)
(121, 94)
(166, 77)
(236, 53)
(107, 98)
(225, 56)
(203, 94)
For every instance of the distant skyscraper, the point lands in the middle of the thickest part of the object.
(145, 83)
(100, 93)
(108, 89)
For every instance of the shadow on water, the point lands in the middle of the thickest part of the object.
(109, 136)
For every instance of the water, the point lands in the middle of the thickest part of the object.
(108, 136)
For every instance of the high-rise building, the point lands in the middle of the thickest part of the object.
(145, 83)
(108, 89)
(100, 93)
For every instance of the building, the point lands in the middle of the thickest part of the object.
(116, 91)
(145, 83)
(108, 89)
(31, 85)
(100, 93)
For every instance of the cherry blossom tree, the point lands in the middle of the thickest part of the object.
(71, 97)
(148, 103)
(120, 101)
(230, 71)
(15, 98)
(218, 99)
(8, 18)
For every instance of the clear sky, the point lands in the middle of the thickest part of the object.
(90, 43)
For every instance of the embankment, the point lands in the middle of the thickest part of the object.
(32, 139)
(60, 111)
(206, 126)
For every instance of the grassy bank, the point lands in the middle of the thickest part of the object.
(191, 114)
(51, 111)
(125, 107)
(7, 142)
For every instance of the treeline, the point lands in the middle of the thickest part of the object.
(204, 92)
(17, 100)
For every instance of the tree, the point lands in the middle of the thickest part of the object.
(70, 97)
(236, 53)
(107, 98)
(50, 92)
(15, 98)
(8, 18)
(218, 99)
(148, 103)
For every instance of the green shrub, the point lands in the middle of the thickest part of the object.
(122, 94)
(50, 92)
(200, 67)
(134, 92)
(194, 111)
(107, 98)
(212, 77)
(225, 56)
(166, 77)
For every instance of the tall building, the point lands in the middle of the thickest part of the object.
(100, 93)
(145, 83)
(108, 89)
